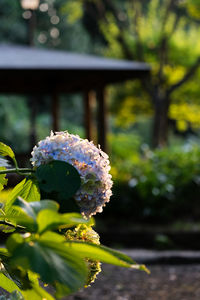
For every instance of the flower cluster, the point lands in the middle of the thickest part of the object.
(86, 234)
(91, 163)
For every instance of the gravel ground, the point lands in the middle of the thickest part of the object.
(167, 282)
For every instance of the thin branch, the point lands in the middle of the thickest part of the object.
(186, 77)
(6, 223)
(19, 170)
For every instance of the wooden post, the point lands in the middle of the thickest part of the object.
(101, 118)
(32, 104)
(88, 115)
(55, 112)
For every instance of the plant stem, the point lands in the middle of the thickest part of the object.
(18, 170)
(11, 225)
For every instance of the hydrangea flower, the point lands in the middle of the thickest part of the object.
(91, 163)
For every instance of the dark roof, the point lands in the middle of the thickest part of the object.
(26, 69)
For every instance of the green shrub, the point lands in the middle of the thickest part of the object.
(162, 185)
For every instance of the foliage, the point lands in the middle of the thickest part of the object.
(193, 8)
(129, 104)
(164, 172)
(52, 30)
(161, 33)
(124, 154)
(40, 246)
(186, 115)
(12, 27)
(161, 185)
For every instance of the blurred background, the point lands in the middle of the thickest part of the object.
(153, 122)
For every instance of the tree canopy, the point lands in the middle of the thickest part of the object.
(162, 33)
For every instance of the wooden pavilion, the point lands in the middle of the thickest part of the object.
(27, 70)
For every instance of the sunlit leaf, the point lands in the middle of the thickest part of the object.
(103, 254)
(35, 293)
(3, 252)
(6, 151)
(3, 179)
(44, 204)
(30, 191)
(52, 236)
(7, 284)
(33, 208)
(50, 220)
(27, 189)
(14, 194)
(18, 217)
(25, 213)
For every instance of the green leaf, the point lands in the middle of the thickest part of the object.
(6, 151)
(44, 204)
(25, 213)
(27, 189)
(102, 253)
(14, 194)
(22, 214)
(3, 179)
(30, 191)
(36, 293)
(58, 177)
(3, 253)
(19, 218)
(26, 281)
(52, 236)
(50, 220)
(50, 260)
(24, 206)
(7, 229)
(14, 241)
(7, 284)
(32, 209)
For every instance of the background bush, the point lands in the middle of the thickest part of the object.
(161, 185)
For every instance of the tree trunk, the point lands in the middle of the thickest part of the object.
(160, 126)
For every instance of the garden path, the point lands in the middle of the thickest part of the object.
(166, 282)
